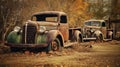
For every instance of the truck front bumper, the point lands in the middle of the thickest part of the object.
(27, 45)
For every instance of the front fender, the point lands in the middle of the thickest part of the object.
(77, 33)
(97, 32)
(52, 34)
(14, 37)
(48, 37)
(41, 38)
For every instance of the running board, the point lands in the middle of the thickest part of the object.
(70, 44)
(107, 39)
(89, 38)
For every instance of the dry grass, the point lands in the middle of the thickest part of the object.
(105, 54)
(4, 49)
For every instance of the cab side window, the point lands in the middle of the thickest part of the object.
(88, 23)
(103, 24)
(63, 19)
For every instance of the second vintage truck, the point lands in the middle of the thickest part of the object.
(97, 30)
(48, 30)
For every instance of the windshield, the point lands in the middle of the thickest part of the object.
(93, 23)
(45, 17)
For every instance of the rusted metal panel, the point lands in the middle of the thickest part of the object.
(104, 31)
(63, 28)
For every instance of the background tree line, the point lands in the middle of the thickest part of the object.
(104, 9)
(17, 12)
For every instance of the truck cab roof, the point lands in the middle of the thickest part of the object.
(50, 12)
(95, 20)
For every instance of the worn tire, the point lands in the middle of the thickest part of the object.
(55, 45)
(99, 38)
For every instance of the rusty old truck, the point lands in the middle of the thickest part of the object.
(48, 30)
(97, 30)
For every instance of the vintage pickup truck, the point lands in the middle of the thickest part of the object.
(96, 30)
(48, 30)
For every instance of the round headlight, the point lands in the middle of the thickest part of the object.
(92, 30)
(17, 28)
(42, 29)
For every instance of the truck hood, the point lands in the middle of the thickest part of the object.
(93, 27)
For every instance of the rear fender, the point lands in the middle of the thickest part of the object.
(110, 35)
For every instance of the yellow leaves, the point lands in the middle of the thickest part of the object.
(77, 4)
(78, 11)
(75, 9)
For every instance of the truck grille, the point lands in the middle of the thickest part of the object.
(29, 32)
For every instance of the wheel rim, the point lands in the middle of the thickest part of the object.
(99, 38)
(55, 45)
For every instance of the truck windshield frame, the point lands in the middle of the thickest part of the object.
(93, 23)
(45, 17)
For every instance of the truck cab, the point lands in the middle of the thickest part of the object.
(48, 29)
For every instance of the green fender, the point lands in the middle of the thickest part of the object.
(14, 37)
(42, 38)
(48, 37)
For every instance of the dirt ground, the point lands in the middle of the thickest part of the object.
(106, 54)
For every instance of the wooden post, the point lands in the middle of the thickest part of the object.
(109, 21)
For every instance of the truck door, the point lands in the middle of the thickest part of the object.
(104, 29)
(63, 27)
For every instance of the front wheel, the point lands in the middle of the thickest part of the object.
(55, 45)
(99, 38)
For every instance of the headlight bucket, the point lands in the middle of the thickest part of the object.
(42, 29)
(17, 29)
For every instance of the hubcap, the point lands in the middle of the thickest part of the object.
(55, 45)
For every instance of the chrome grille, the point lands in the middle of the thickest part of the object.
(29, 32)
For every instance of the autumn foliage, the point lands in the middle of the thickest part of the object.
(16, 12)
